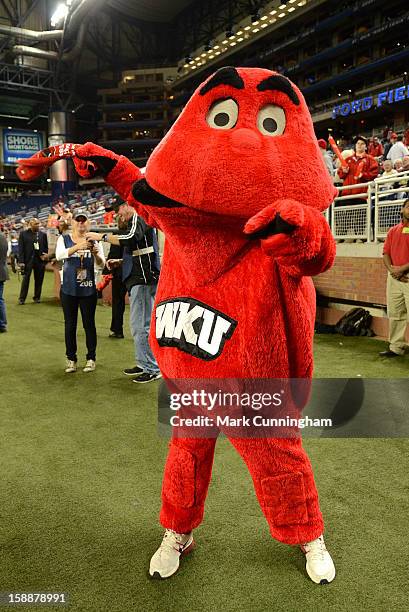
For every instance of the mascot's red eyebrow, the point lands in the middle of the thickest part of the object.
(276, 82)
(224, 76)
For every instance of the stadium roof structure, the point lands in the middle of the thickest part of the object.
(150, 10)
(47, 62)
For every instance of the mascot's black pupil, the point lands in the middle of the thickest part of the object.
(269, 124)
(221, 119)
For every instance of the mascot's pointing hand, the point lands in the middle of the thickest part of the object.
(89, 160)
(288, 231)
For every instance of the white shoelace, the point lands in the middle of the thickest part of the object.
(317, 549)
(169, 535)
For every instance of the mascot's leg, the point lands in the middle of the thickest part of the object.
(285, 487)
(185, 483)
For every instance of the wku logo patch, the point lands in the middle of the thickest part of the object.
(193, 327)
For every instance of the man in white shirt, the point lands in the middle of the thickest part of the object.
(397, 151)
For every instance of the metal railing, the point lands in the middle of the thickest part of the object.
(390, 193)
(372, 212)
(352, 220)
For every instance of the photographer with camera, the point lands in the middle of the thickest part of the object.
(78, 288)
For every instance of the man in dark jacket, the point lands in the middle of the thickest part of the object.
(4, 275)
(140, 274)
(32, 257)
(118, 287)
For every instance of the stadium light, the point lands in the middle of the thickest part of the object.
(59, 14)
(255, 23)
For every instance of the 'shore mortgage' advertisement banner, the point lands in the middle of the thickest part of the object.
(20, 144)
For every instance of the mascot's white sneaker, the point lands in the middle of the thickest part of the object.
(165, 562)
(319, 564)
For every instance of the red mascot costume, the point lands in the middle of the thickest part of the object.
(238, 186)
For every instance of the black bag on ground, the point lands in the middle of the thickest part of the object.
(356, 322)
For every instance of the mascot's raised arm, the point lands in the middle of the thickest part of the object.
(238, 185)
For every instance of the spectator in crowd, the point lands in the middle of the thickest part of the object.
(32, 257)
(345, 154)
(403, 180)
(78, 288)
(375, 148)
(388, 173)
(396, 260)
(359, 168)
(406, 136)
(64, 213)
(397, 151)
(4, 275)
(109, 214)
(62, 226)
(328, 161)
(398, 165)
(392, 140)
(388, 169)
(140, 273)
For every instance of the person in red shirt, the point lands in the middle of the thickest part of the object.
(375, 147)
(358, 168)
(396, 260)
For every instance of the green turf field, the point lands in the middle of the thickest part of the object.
(80, 477)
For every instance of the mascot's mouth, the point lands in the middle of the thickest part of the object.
(144, 193)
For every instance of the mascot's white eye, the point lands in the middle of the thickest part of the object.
(223, 114)
(271, 120)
